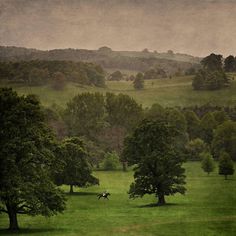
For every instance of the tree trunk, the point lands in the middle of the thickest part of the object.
(124, 163)
(161, 200)
(71, 188)
(13, 220)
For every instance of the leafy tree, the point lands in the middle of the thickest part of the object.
(139, 81)
(194, 148)
(226, 165)
(193, 124)
(76, 170)
(213, 62)
(158, 163)
(208, 124)
(208, 164)
(26, 158)
(225, 139)
(115, 76)
(84, 115)
(156, 112)
(210, 80)
(230, 64)
(111, 161)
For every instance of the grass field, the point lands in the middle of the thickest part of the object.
(208, 208)
(170, 92)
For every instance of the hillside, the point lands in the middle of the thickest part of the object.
(107, 58)
(170, 92)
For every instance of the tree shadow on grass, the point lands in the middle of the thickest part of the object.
(29, 231)
(81, 194)
(156, 205)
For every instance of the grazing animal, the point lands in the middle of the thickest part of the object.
(104, 195)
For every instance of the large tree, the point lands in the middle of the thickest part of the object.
(213, 62)
(139, 81)
(158, 162)
(26, 156)
(75, 169)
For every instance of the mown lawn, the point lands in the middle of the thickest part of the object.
(208, 208)
(167, 92)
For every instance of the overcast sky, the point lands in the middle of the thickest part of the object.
(196, 27)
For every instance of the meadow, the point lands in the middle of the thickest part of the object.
(208, 208)
(167, 92)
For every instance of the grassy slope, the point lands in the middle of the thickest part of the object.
(208, 208)
(170, 92)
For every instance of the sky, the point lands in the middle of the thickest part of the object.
(196, 27)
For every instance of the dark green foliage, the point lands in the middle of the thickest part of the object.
(230, 64)
(212, 62)
(75, 168)
(220, 117)
(210, 80)
(212, 76)
(26, 159)
(42, 72)
(84, 114)
(115, 76)
(225, 139)
(158, 163)
(111, 161)
(194, 148)
(122, 110)
(208, 164)
(207, 124)
(226, 165)
(173, 117)
(139, 81)
(156, 112)
(193, 124)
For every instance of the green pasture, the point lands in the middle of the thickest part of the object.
(167, 92)
(208, 208)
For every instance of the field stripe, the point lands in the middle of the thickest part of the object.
(153, 223)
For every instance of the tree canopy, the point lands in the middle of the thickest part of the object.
(26, 157)
(226, 165)
(158, 163)
(75, 168)
(139, 81)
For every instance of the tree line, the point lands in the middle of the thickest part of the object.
(37, 72)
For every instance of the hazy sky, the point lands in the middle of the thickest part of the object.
(196, 27)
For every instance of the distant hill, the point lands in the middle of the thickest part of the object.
(107, 58)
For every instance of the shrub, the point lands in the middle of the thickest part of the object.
(111, 161)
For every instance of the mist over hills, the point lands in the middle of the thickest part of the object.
(106, 57)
